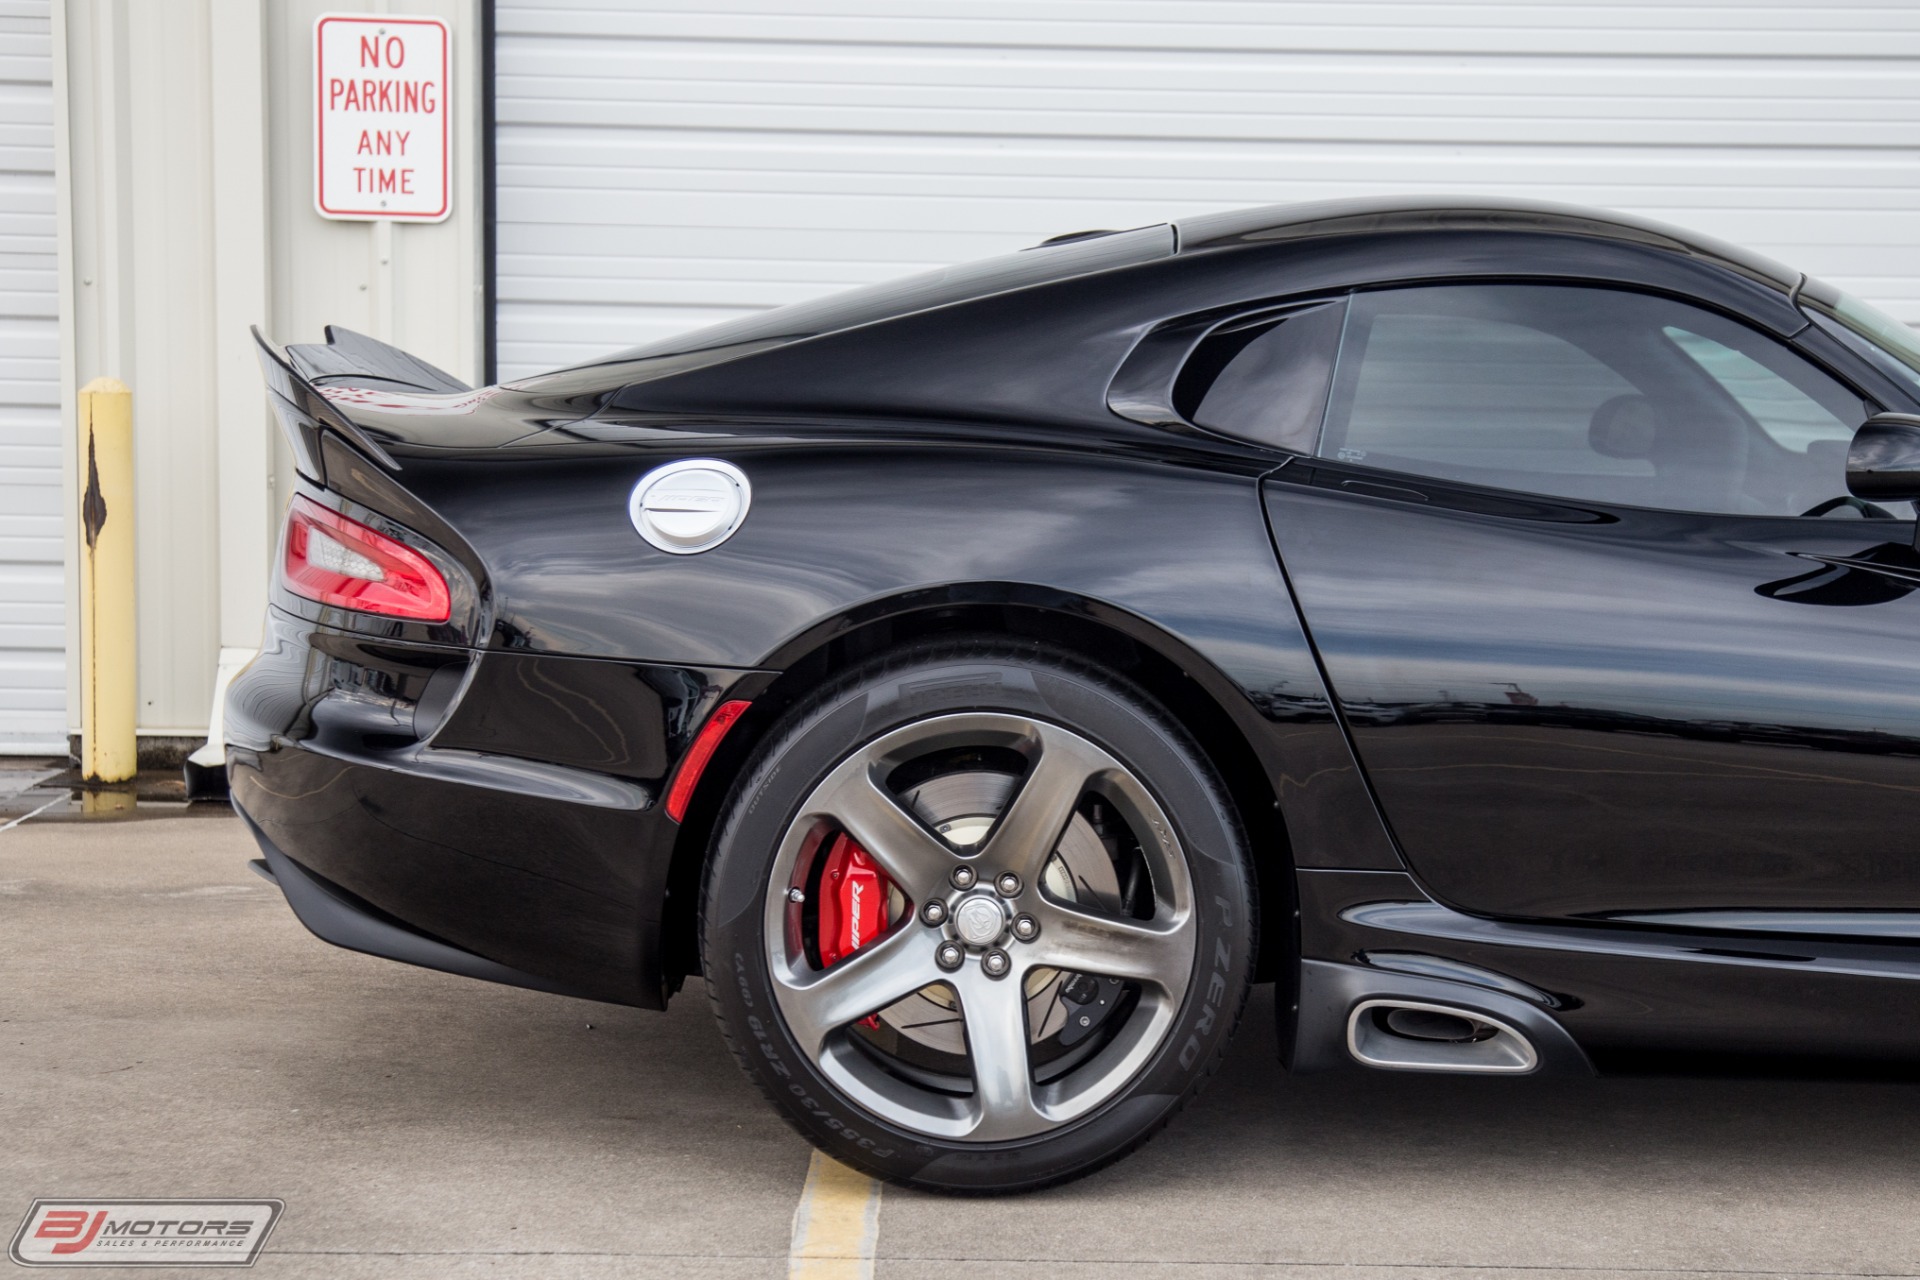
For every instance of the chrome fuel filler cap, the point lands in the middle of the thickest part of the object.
(689, 506)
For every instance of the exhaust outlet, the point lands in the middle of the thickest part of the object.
(1481, 1026)
(1410, 1035)
(1441, 1028)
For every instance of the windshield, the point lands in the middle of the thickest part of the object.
(1891, 344)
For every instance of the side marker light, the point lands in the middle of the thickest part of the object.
(705, 743)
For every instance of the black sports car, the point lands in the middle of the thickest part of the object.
(1490, 623)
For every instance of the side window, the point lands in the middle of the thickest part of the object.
(1588, 392)
(1793, 418)
(1473, 398)
(1262, 379)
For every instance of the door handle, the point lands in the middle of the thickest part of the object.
(1379, 489)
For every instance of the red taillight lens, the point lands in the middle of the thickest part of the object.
(341, 562)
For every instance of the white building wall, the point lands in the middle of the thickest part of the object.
(664, 165)
(188, 128)
(139, 88)
(415, 285)
(33, 681)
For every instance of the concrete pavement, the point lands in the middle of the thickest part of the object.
(168, 1029)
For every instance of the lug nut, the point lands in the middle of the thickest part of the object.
(935, 912)
(1008, 884)
(963, 877)
(796, 896)
(1026, 928)
(949, 956)
(996, 963)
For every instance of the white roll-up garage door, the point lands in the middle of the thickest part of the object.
(33, 681)
(664, 166)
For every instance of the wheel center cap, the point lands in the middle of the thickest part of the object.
(979, 921)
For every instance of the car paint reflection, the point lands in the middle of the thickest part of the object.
(1577, 719)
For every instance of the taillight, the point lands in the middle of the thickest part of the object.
(342, 562)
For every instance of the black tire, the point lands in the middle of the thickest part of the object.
(901, 691)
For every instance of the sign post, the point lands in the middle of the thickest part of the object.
(384, 141)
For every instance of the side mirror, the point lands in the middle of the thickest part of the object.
(1883, 462)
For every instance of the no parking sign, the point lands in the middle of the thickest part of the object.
(384, 142)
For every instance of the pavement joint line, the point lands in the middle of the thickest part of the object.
(1543, 1267)
(36, 813)
(11, 786)
(835, 1225)
(515, 1253)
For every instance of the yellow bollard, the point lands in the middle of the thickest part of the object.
(107, 664)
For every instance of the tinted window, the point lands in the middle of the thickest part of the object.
(1588, 393)
(1468, 396)
(1264, 380)
(1790, 417)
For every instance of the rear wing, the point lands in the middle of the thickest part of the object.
(305, 414)
(347, 358)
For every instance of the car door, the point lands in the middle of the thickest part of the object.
(1609, 636)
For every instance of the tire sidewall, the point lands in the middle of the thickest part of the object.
(853, 713)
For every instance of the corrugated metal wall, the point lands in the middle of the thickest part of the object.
(661, 167)
(33, 681)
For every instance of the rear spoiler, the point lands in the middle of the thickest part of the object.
(353, 359)
(293, 376)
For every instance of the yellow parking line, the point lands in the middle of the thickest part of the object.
(835, 1224)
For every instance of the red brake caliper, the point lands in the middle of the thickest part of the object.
(854, 896)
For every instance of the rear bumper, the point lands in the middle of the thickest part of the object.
(335, 916)
(439, 793)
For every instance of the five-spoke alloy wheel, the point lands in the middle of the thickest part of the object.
(978, 918)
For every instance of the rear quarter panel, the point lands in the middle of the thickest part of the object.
(1170, 543)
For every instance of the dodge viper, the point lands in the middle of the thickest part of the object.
(1488, 623)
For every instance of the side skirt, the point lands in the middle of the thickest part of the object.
(1620, 991)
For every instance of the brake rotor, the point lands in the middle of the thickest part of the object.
(962, 807)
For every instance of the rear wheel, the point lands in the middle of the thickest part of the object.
(978, 918)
